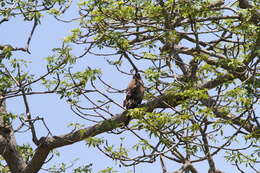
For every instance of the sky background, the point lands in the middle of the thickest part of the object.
(56, 112)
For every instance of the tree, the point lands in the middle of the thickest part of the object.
(200, 65)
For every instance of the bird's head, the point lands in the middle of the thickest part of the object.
(137, 76)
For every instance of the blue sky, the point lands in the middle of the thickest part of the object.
(56, 112)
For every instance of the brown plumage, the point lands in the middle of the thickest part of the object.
(134, 92)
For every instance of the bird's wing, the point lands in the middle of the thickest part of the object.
(130, 91)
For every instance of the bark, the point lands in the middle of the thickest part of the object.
(164, 101)
(169, 99)
(8, 146)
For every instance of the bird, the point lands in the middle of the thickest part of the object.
(134, 92)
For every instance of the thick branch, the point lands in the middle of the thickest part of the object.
(8, 149)
(238, 72)
(168, 99)
(58, 141)
(212, 167)
(187, 167)
(234, 119)
(8, 146)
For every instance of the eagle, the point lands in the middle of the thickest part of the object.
(134, 92)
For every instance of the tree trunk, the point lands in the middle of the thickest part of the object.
(8, 147)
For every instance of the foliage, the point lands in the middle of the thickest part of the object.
(199, 61)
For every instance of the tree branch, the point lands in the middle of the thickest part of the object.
(234, 119)
(187, 167)
(169, 98)
(8, 146)
(9, 151)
